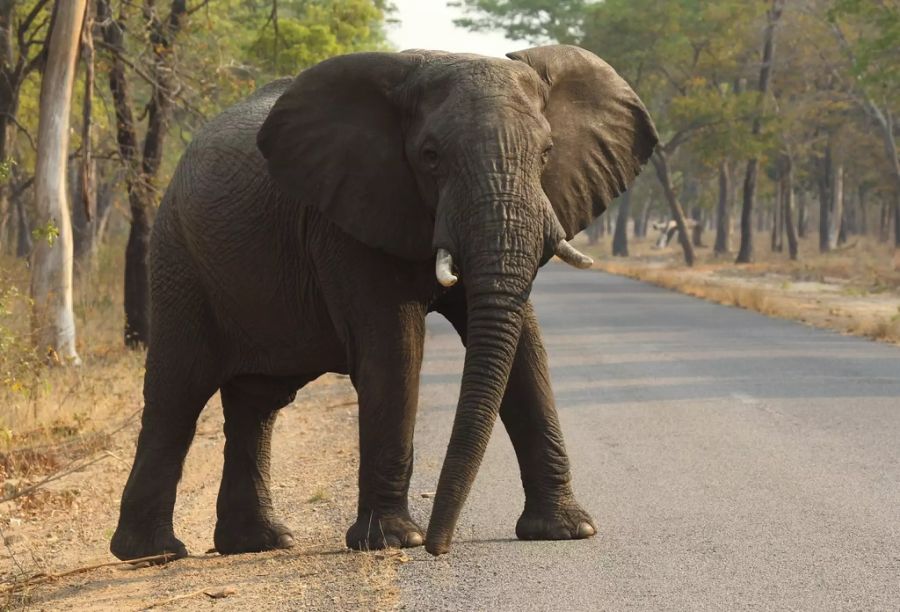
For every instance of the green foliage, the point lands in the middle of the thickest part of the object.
(537, 21)
(872, 33)
(6, 167)
(310, 31)
(48, 232)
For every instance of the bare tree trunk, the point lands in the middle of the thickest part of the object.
(778, 217)
(24, 244)
(824, 183)
(645, 219)
(9, 94)
(787, 194)
(863, 226)
(697, 232)
(87, 233)
(620, 238)
(8, 104)
(88, 201)
(884, 229)
(137, 272)
(837, 201)
(802, 216)
(661, 164)
(53, 320)
(723, 211)
(141, 177)
(126, 137)
(745, 254)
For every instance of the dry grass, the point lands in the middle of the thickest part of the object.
(855, 289)
(881, 329)
(751, 298)
(42, 404)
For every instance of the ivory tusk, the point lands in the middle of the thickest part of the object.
(443, 268)
(572, 256)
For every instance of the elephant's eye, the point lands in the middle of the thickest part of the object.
(545, 154)
(430, 157)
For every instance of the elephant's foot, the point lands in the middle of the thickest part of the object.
(374, 530)
(129, 543)
(246, 535)
(566, 521)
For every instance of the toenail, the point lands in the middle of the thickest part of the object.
(585, 530)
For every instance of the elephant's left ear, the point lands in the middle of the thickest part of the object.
(602, 133)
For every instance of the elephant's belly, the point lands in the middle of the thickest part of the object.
(280, 329)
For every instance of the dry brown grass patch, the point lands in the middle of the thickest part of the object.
(840, 303)
(887, 330)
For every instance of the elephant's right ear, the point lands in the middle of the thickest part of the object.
(334, 140)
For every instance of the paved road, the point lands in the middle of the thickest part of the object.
(731, 461)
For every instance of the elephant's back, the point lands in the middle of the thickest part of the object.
(241, 120)
(223, 156)
(221, 181)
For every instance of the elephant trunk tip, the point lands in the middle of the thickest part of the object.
(437, 546)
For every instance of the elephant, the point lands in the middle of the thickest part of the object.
(311, 227)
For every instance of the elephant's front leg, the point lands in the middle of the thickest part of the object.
(386, 377)
(529, 414)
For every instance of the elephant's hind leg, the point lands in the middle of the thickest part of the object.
(246, 521)
(178, 383)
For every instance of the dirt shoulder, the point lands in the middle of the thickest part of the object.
(855, 290)
(315, 457)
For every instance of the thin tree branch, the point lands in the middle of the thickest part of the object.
(21, 128)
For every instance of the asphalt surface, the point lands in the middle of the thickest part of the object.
(730, 460)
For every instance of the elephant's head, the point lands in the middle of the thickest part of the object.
(487, 163)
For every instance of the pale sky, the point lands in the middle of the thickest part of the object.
(428, 24)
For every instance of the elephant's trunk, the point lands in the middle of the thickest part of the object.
(497, 285)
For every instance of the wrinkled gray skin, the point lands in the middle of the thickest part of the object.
(298, 237)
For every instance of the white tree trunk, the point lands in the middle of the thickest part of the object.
(53, 321)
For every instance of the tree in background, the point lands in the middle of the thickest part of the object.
(745, 252)
(53, 319)
(868, 33)
(141, 173)
(690, 60)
